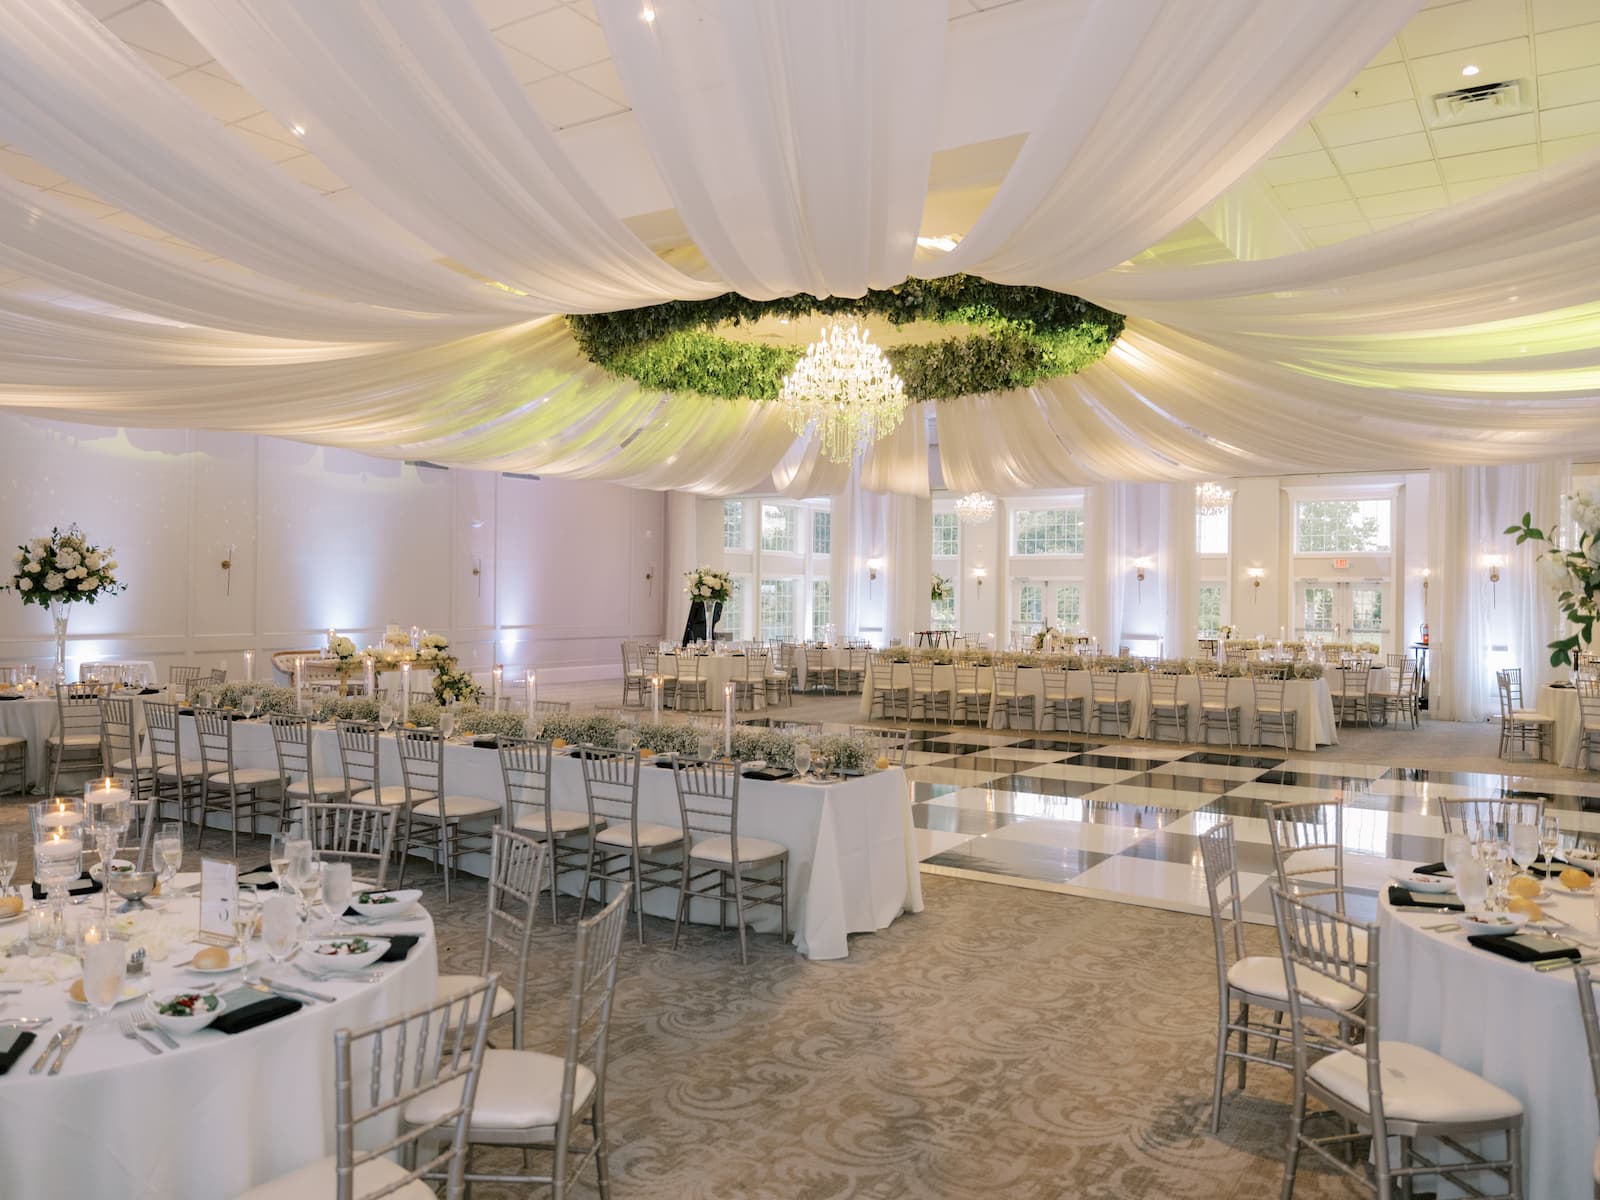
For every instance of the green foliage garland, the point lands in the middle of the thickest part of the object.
(1026, 334)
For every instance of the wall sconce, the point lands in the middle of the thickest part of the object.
(1427, 573)
(1140, 566)
(980, 574)
(649, 586)
(1495, 561)
(227, 567)
(477, 573)
(1256, 574)
(873, 566)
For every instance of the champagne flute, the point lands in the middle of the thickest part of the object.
(245, 912)
(802, 758)
(169, 845)
(1472, 883)
(8, 860)
(337, 888)
(278, 856)
(1549, 837)
(104, 968)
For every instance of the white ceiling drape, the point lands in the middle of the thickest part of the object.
(1466, 337)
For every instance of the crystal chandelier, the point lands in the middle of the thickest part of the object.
(843, 392)
(1211, 499)
(975, 508)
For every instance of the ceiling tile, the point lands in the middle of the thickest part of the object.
(311, 171)
(1302, 141)
(496, 13)
(1326, 235)
(1386, 152)
(185, 250)
(1437, 73)
(562, 101)
(160, 63)
(1510, 161)
(93, 208)
(1389, 54)
(1369, 124)
(1328, 214)
(1572, 121)
(1417, 200)
(1485, 135)
(559, 37)
(603, 78)
(1559, 149)
(269, 148)
(1567, 49)
(151, 27)
(1374, 86)
(525, 67)
(1396, 219)
(960, 8)
(28, 170)
(267, 126)
(1469, 188)
(586, 8)
(1558, 14)
(105, 8)
(1297, 168)
(1314, 191)
(1468, 23)
(1569, 87)
(227, 102)
(132, 224)
(1393, 179)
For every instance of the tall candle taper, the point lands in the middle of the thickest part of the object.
(299, 680)
(528, 690)
(495, 677)
(367, 674)
(332, 633)
(249, 666)
(655, 692)
(405, 692)
(533, 692)
(727, 718)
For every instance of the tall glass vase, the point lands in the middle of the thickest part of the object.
(58, 613)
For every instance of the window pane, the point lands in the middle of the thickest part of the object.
(821, 533)
(1069, 607)
(1317, 613)
(942, 613)
(1341, 526)
(1211, 532)
(821, 608)
(946, 535)
(1209, 616)
(1047, 531)
(1031, 605)
(779, 528)
(1366, 610)
(733, 525)
(732, 623)
(777, 609)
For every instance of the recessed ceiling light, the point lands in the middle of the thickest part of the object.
(1470, 69)
(298, 130)
(647, 14)
(1513, 299)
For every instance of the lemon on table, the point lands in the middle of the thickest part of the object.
(557, 743)
(646, 752)
(10, 906)
(1577, 879)
(1521, 904)
(1524, 886)
(883, 763)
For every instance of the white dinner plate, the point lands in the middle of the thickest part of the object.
(16, 916)
(313, 952)
(130, 991)
(1426, 883)
(1492, 924)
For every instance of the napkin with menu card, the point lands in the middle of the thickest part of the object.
(1443, 901)
(260, 878)
(248, 1008)
(1525, 947)
(13, 1043)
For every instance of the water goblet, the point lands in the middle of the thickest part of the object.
(104, 968)
(386, 717)
(278, 856)
(281, 931)
(1457, 850)
(8, 861)
(802, 758)
(447, 724)
(1524, 844)
(169, 848)
(1472, 883)
(247, 705)
(203, 699)
(337, 888)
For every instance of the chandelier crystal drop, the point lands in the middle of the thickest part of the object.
(1210, 499)
(975, 508)
(843, 392)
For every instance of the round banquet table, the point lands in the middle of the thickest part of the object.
(35, 719)
(717, 670)
(1517, 1027)
(1561, 702)
(213, 1118)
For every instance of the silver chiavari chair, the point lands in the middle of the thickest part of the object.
(525, 770)
(359, 834)
(626, 851)
(432, 819)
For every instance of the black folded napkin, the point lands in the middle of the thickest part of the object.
(10, 695)
(400, 946)
(486, 743)
(83, 885)
(770, 774)
(149, 691)
(186, 712)
(259, 878)
(1524, 947)
(19, 1044)
(248, 1008)
(1443, 901)
(1568, 686)
(1437, 868)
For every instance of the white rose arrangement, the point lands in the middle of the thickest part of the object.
(63, 567)
(709, 585)
(343, 648)
(433, 647)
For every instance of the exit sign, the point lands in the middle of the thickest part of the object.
(1341, 564)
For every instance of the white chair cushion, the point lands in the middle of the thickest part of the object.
(1531, 716)
(392, 794)
(451, 985)
(1418, 1085)
(751, 849)
(649, 835)
(124, 766)
(322, 785)
(75, 740)
(1262, 975)
(459, 806)
(246, 776)
(562, 820)
(187, 768)
(13, 741)
(518, 1091)
(316, 1181)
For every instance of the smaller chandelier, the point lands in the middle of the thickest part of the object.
(843, 392)
(1212, 499)
(974, 508)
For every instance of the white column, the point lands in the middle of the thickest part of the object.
(682, 555)
(1177, 562)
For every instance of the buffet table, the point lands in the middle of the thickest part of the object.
(213, 1118)
(852, 848)
(1518, 1028)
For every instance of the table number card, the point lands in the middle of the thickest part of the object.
(219, 896)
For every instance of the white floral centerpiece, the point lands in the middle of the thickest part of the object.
(432, 647)
(1574, 572)
(941, 590)
(343, 648)
(61, 570)
(708, 585)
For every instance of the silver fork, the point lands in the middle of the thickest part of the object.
(133, 1035)
(143, 1023)
(335, 977)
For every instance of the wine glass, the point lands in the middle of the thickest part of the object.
(1496, 857)
(8, 860)
(247, 705)
(385, 717)
(245, 912)
(300, 863)
(1549, 838)
(1457, 850)
(1524, 844)
(337, 888)
(104, 968)
(278, 856)
(1472, 884)
(802, 758)
(203, 699)
(281, 931)
(447, 724)
(169, 845)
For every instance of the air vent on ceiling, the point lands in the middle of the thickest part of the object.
(1480, 102)
(517, 475)
(423, 464)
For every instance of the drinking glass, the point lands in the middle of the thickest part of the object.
(802, 758)
(1524, 844)
(1496, 857)
(385, 717)
(245, 913)
(1472, 884)
(300, 865)
(169, 846)
(247, 705)
(8, 860)
(1549, 836)
(281, 931)
(203, 699)
(1457, 850)
(447, 724)
(337, 889)
(278, 856)
(104, 967)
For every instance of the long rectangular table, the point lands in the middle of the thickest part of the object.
(852, 850)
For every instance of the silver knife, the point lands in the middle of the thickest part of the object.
(67, 1043)
(297, 993)
(50, 1048)
(1555, 964)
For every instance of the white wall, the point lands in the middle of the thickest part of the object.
(326, 537)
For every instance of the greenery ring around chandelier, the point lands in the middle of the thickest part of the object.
(1019, 336)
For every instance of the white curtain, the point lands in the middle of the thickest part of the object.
(1106, 521)
(683, 555)
(1178, 560)
(1482, 626)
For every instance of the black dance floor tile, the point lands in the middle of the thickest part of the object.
(1038, 785)
(949, 819)
(1019, 860)
(1118, 762)
(1284, 777)
(1223, 759)
(1188, 784)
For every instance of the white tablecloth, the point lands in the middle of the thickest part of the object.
(852, 848)
(1135, 686)
(833, 658)
(216, 1117)
(1517, 1027)
(1309, 698)
(717, 670)
(34, 720)
(139, 669)
(1562, 704)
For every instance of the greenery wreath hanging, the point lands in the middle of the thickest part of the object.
(1022, 335)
